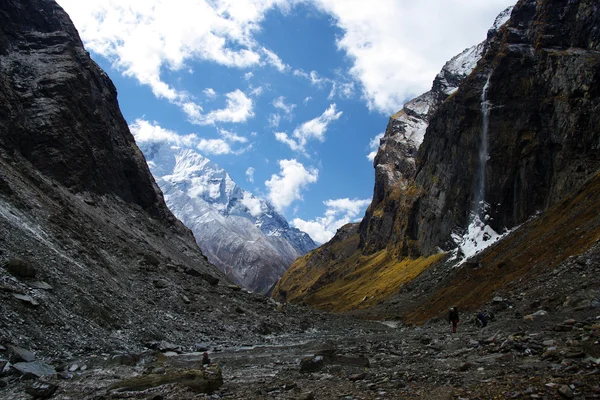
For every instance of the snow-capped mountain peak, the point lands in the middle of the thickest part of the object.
(240, 233)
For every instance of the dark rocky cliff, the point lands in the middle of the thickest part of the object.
(544, 125)
(519, 134)
(91, 259)
(60, 110)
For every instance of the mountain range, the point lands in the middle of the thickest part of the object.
(243, 235)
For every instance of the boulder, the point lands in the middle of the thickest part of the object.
(200, 381)
(210, 279)
(18, 354)
(20, 268)
(41, 390)
(35, 369)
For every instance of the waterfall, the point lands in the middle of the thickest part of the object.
(479, 196)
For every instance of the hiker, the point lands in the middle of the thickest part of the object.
(482, 319)
(205, 359)
(453, 318)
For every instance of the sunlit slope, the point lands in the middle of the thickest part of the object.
(569, 228)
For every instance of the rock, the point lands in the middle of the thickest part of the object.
(210, 279)
(40, 285)
(563, 328)
(200, 347)
(312, 364)
(130, 359)
(20, 268)
(41, 390)
(192, 272)
(535, 315)
(185, 299)
(35, 369)
(151, 259)
(465, 367)
(307, 396)
(200, 381)
(566, 392)
(18, 354)
(357, 377)
(26, 299)
(239, 310)
(160, 283)
(235, 288)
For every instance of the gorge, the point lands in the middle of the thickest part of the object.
(105, 294)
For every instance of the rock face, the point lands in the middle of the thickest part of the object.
(79, 207)
(541, 80)
(509, 130)
(60, 111)
(396, 160)
(244, 236)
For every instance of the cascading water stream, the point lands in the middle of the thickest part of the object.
(479, 208)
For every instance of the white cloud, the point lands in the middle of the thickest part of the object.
(344, 90)
(248, 75)
(253, 204)
(232, 137)
(275, 61)
(374, 146)
(142, 38)
(250, 174)
(306, 100)
(286, 108)
(312, 76)
(398, 47)
(238, 108)
(210, 93)
(257, 91)
(146, 131)
(274, 120)
(286, 187)
(214, 146)
(338, 213)
(313, 129)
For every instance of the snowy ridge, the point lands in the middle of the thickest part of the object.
(241, 234)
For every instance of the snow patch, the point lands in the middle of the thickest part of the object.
(478, 237)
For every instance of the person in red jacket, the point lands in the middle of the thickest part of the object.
(453, 318)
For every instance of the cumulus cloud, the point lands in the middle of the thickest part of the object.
(142, 38)
(279, 103)
(250, 174)
(286, 187)
(274, 120)
(253, 204)
(232, 137)
(338, 213)
(398, 47)
(314, 129)
(374, 146)
(145, 131)
(210, 93)
(274, 60)
(214, 146)
(238, 108)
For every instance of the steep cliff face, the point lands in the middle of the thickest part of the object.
(522, 132)
(91, 260)
(395, 162)
(60, 111)
(506, 140)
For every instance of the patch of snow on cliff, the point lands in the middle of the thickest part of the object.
(478, 237)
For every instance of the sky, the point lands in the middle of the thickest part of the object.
(289, 96)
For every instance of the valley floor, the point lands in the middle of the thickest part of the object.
(548, 357)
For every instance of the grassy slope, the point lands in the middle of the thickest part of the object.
(569, 228)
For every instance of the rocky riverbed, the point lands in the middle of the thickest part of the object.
(544, 355)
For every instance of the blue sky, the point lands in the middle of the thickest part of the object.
(287, 95)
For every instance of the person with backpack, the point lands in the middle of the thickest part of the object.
(453, 318)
